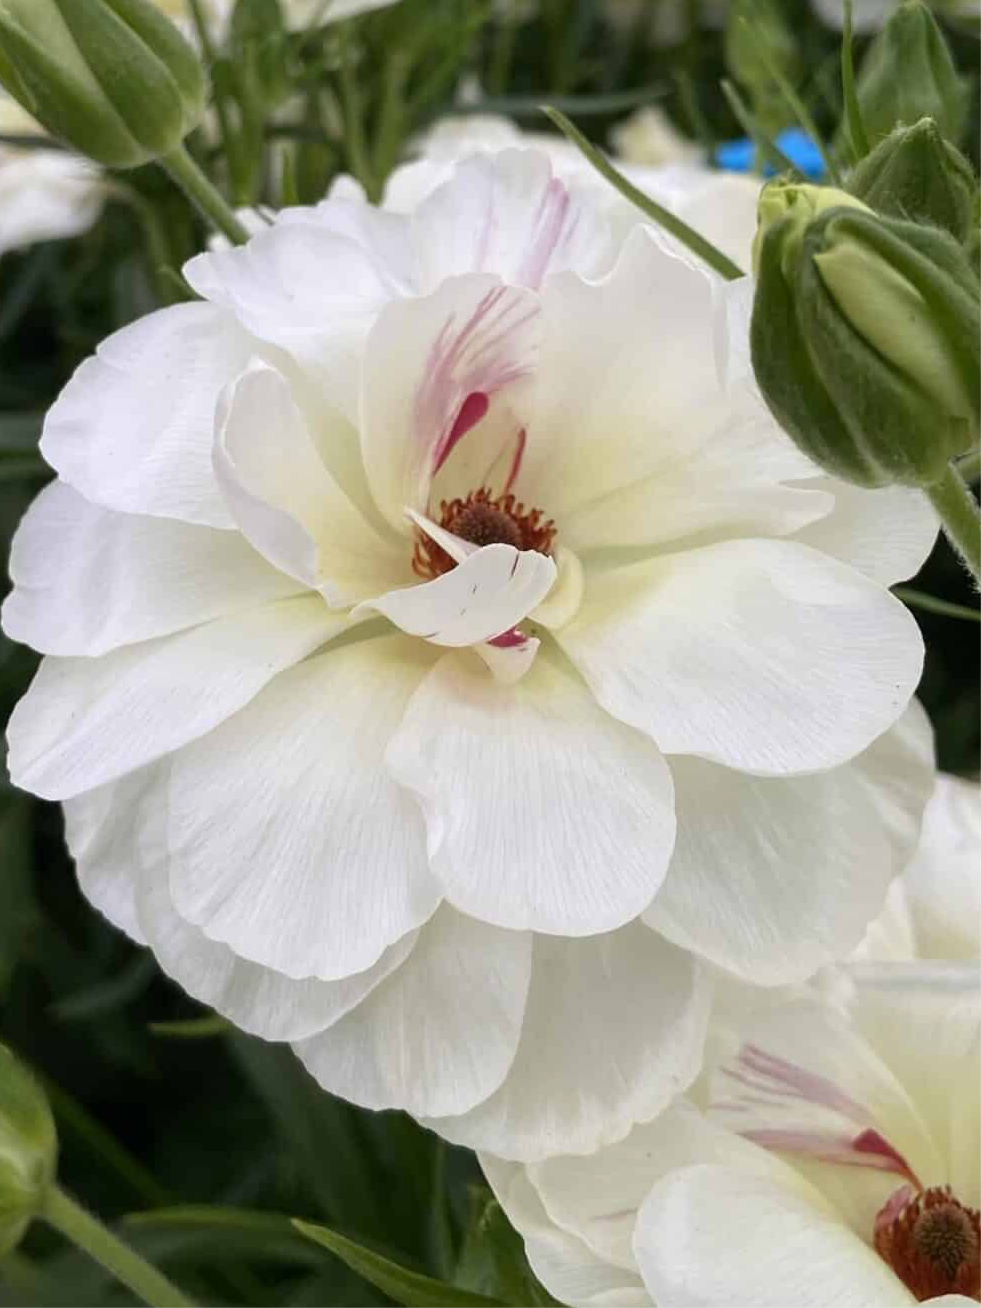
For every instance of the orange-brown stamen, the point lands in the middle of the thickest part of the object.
(483, 520)
(932, 1242)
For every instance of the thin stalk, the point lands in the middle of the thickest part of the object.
(765, 148)
(669, 221)
(88, 1233)
(853, 110)
(917, 599)
(203, 195)
(961, 518)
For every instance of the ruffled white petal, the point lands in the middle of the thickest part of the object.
(287, 503)
(761, 655)
(542, 812)
(287, 840)
(88, 579)
(714, 1237)
(149, 699)
(133, 428)
(943, 885)
(439, 1035)
(613, 1030)
(773, 877)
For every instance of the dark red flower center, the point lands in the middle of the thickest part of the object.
(483, 520)
(932, 1242)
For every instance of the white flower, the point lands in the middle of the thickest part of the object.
(934, 909)
(46, 194)
(649, 137)
(816, 1175)
(406, 798)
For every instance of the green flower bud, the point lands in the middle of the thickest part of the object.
(908, 74)
(865, 344)
(28, 1150)
(916, 174)
(797, 203)
(114, 79)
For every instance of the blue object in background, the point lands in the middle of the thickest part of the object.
(740, 156)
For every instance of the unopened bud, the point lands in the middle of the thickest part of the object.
(114, 79)
(28, 1150)
(865, 343)
(916, 173)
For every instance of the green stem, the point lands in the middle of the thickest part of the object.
(931, 604)
(969, 465)
(205, 197)
(88, 1233)
(664, 217)
(961, 518)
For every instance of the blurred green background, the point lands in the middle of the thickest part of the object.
(148, 1118)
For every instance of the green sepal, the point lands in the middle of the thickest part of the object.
(918, 175)
(28, 1149)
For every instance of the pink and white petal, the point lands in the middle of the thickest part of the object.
(563, 1263)
(287, 503)
(763, 884)
(482, 597)
(886, 533)
(715, 1237)
(731, 475)
(942, 882)
(432, 368)
(620, 362)
(279, 285)
(761, 655)
(89, 579)
(148, 699)
(439, 1035)
(543, 813)
(614, 1029)
(505, 213)
(133, 428)
(287, 839)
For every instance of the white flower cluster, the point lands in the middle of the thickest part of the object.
(452, 669)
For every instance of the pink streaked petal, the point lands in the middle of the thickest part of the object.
(509, 639)
(508, 664)
(442, 376)
(555, 225)
(764, 1071)
(830, 1148)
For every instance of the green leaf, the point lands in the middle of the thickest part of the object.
(493, 1261)
(195, 1028)
(916, 599)
(406, 1287)
(264, 1237)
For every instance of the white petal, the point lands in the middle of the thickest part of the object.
(133, 428)
(45, 195)
(88, 579)
(773, 877)
(287, 503)
(472, 341)
(713, 1236)
(287, 839)
(439, 1035)
(562, 602)
(542, 812)
(483, 597)
(87, 721)
(613, 1031)
(943, 886)
(886, 533)
(761, 655)
(564, 1265)
(505, 213)
(101, 833)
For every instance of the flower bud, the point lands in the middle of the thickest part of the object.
(865, 342)
(28, 1150)
(798, 203)
(916, 174)
(114, 79)
(908, 74)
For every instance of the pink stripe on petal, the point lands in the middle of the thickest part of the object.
(552, 231)
(509, 639)
(473, 408)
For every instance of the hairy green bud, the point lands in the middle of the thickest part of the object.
(28, 1150)
(915, 173)
(908, 74)
(865, 343)
(114, 79)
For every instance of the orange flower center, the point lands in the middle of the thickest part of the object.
(482, 520)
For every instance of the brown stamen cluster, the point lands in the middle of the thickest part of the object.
(933, 1244)
(483, 520)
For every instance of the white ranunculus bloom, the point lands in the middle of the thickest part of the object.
(443, 661)
(46, 194)
(649, 137)
(810, 1169)
(934, 909)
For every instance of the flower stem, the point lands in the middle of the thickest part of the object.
(206, 198)
(88, 1233)
(961, 518)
